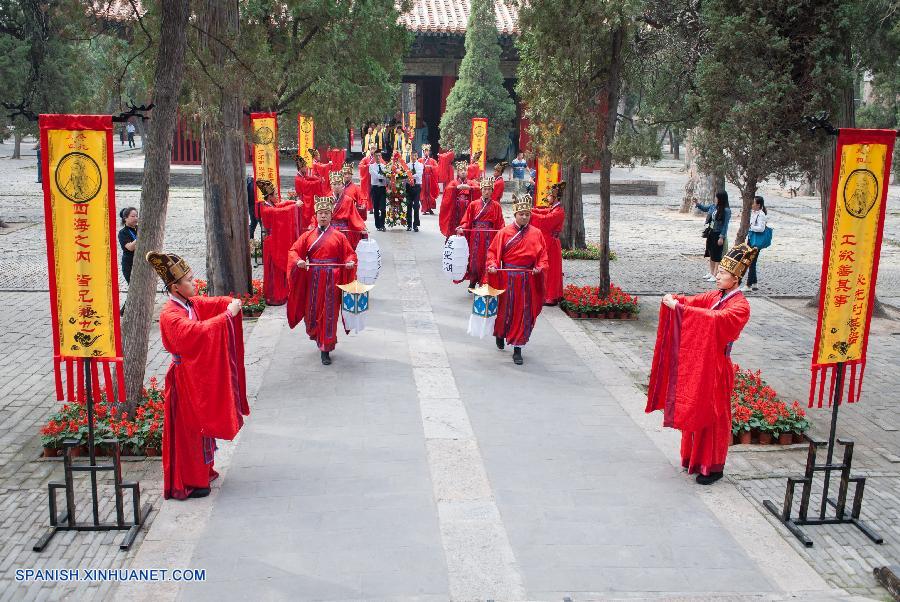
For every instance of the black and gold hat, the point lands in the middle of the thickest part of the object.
(265, 187)
(461, 165)
(336, 177)
(300, 161)
(501, 166)
(487, 184)
(476, 156)
(347, 168)
(558, 188)
(170, 267)
(522, 203)
(738, 259)
(324, 203)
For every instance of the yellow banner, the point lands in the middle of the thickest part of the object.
(265, 150)
(306, 137)
(547, 175)
(479, 140)
(78, 214)
(853, 243)
(412, 121)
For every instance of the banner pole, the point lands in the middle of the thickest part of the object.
(835, 404)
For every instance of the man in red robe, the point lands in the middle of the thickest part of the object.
(483, 219)
(336, 158)
(344, 214)
(499, 183)
(429, 191)
(281, 227)
(365, 178)
(320, 169)
(319, 261)
(308, 187)
(353, 190)
(692, 376)
(205, 391)
(474, 171)
(445, 167)
(456, 199)
(549, 220)
(516, 262)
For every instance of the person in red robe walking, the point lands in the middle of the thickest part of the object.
(483, 219)
(205, 391)
(549, 220)
(344, 214)
(429, 193)
(516, 262)
(319, 261)
(474, 171)
(499, 182)
(354, 190)
(365, 178)
(692, 376)
(281, 227)
(457, 196)
(320, 169)
(308, 187)
(445, 167)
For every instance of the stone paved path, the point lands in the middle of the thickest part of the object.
(424, 465)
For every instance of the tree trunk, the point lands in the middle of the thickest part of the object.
(154, 193)
(676, 146)
(748, 191)
(572, 234)
(17, 144)
(700, 186)
(222, 136)
(613, 85)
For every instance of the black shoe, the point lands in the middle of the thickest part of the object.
(408, 229)
(517, 356)
(709, 479)
(500, 343)
(473, 284)
(202, 492)
(326, 359)
(415, 229)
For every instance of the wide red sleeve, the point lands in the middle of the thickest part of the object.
(497, 193)
(296, 305)
(446, 211)
(466, 221)
(548, 221)
(498, 222)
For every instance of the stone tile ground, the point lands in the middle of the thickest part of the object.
(659, 250)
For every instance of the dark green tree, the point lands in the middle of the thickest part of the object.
(570, 80)
(479, 92)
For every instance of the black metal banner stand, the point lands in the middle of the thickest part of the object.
(66, 520)
(839, 505)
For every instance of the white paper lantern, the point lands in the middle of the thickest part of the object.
(368, 255)
(455, 259)
(484, 310)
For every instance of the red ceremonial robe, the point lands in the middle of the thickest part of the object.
(345, 217)
(314, 295)
(282, 223)
(519, 249)
(445, 167)
(205, 391)
(481, 222)
(429, 193)
(322, 169)
(499, 186)
(307, 188)
(365, 183)
(453, 206)
(354, 191)
(473, 172)
(692, 376)
(549, 220)
(336, 158)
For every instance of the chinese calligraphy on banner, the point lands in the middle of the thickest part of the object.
(306, 137)
(479, 140)
(79, 209)
(265, 150)
(850, 267)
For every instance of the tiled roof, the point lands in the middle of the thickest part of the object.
(451, 16)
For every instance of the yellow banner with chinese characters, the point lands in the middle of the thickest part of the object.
(79, 207)
(479, 140)
(412, 121)
(547, 176)
(306, 137)
(265, 150)
(853, 245)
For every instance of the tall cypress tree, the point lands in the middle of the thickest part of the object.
(479, 91)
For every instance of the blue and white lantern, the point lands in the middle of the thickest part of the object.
(355, 304)
(484, 310)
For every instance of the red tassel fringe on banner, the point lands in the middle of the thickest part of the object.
(851, 388)
(112, 387)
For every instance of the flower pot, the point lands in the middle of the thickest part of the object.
(51, 452)
(785, 438)
(745, 437)
(601, 315)
(623, 315)
(151, 451)
(799, 438)
(765, 438)
(77, 450)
